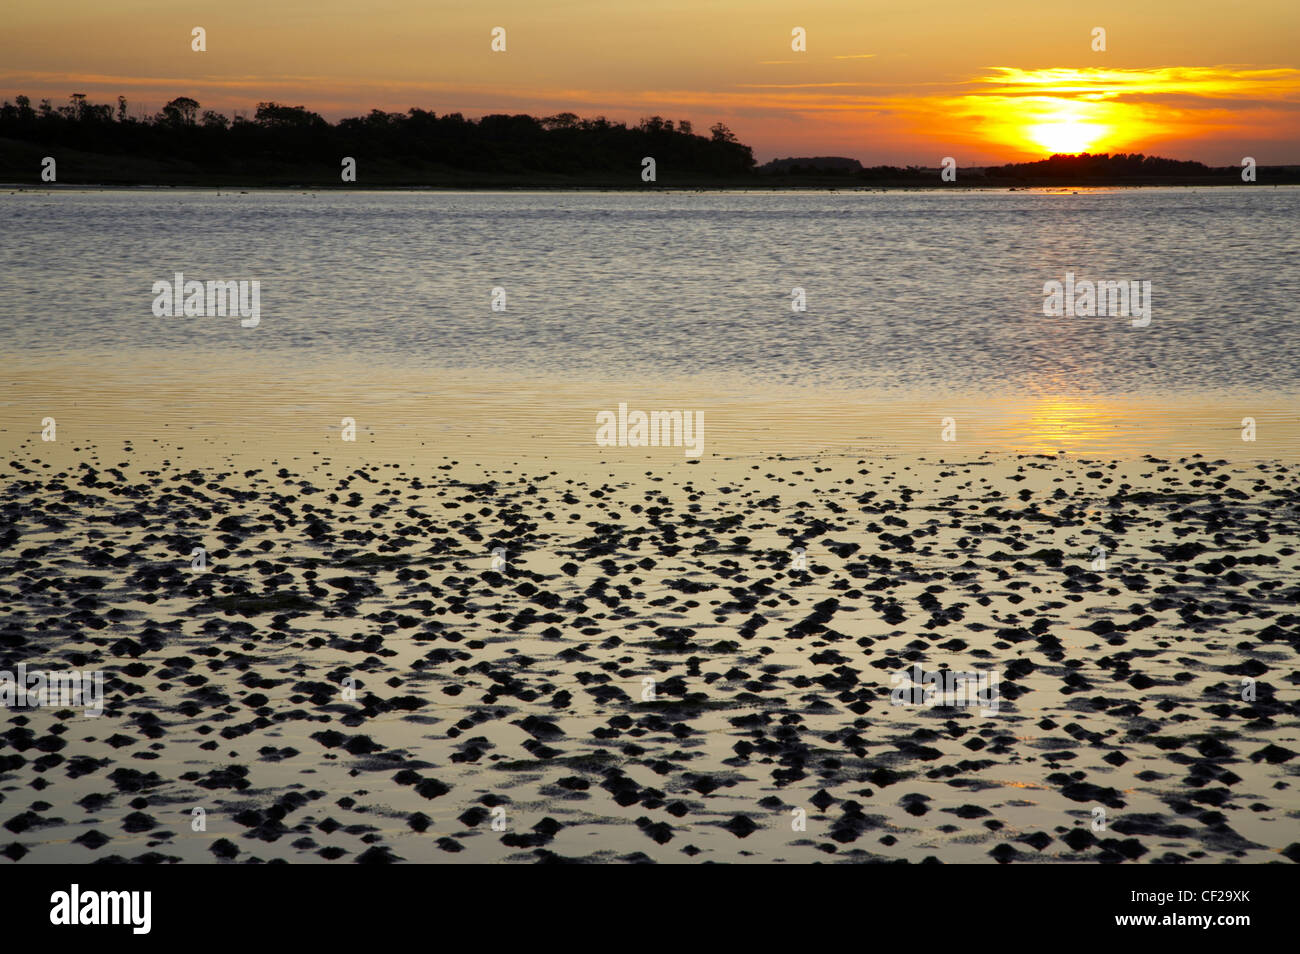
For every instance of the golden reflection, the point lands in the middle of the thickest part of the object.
(1061, 424)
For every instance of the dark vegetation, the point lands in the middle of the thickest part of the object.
(185, 144)
(1135, 168)
(290, 144)
(1059, 170)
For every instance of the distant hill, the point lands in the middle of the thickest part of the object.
(832, 164)
(1059, 170)
(1111, 168)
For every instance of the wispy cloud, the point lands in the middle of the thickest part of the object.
(1214, 82)
(802, 85)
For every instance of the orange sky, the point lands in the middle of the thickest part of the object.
(881, 82)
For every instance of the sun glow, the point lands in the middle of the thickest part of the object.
(1066, 131)
(1066, 110)
(1051, 122)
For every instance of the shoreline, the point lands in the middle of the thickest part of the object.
(498, 415)
(685, 188)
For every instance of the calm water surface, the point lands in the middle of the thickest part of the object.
(905, 291)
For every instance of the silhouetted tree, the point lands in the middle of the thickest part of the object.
(721, 133)
(181, 111)
(273, 115)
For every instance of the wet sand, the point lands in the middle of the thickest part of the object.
(510, 687)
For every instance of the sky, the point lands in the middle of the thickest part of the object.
(885, 83)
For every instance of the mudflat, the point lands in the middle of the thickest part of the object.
(445, 661)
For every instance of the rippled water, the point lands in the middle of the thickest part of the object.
(934, 292)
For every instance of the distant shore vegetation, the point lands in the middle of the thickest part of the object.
(279, 145)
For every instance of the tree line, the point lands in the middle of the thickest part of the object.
(279, 135)
(1106, 166)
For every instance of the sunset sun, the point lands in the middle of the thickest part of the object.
(1056, 125)
(1065, 135)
